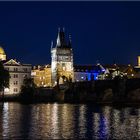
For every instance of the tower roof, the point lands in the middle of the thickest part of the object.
(61, 41)
(2, 50)
(61, 38)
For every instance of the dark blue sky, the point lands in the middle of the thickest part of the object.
(103, 31)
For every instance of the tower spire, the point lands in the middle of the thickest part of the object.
(58, 42)
(51, 44)
(60, 38)
(63, 29)
(69, 43)
(59, 29)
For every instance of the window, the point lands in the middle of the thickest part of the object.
(15, 90)
(64, 68)
(63, 64)
(7, 69)
(25, 69)
(15, 75)
(15, 69)
(66, 58)
(15, 82)
(25, 76)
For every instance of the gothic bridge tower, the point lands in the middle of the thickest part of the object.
(62, 60)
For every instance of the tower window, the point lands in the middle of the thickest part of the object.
(63, 64)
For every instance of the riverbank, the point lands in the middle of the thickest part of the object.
(105, 92)
(45, 99)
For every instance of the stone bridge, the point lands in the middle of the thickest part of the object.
(100, 90)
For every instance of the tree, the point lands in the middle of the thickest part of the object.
(28, 88)
(4, 78)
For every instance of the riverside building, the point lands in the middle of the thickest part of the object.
(42, 75)
(61, 68)
(18, 72)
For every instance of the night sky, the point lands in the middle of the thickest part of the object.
(104, 32)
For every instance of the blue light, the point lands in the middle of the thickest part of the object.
(95, 76)
(89, 76)
(103, 70)
(103, 128)
(93, 73)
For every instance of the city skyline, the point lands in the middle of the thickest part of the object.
(104, 32)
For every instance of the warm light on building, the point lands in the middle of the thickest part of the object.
(42, 75)
(17, 71)
(2, 54)
(138, 60)
(62, 60)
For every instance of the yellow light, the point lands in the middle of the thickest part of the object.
(138, 60)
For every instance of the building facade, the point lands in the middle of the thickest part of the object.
(139, 61)
(62, 60)
(42, 76)
(128, 71)
(17, 71)
(88, 72)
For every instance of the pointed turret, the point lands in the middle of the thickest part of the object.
(51, 44)
(69, 43)
(60, 38)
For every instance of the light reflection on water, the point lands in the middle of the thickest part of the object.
(5, 119)
(68, 121)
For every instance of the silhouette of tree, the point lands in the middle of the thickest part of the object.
(4, 78)
(28, 88)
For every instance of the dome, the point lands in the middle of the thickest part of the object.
(2, 50)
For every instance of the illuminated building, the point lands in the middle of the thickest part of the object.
(62, 60)
(137, 68)
(130, 72)
(62, 69)
(42, 75)
(17, 73)
(88, 72)
(138, 60)
(122, 70)
(2, 54)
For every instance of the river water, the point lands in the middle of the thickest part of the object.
(68, 121)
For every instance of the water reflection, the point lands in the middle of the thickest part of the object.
(82, 121)
(96, 118)
(5, 119)
(68, 121)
